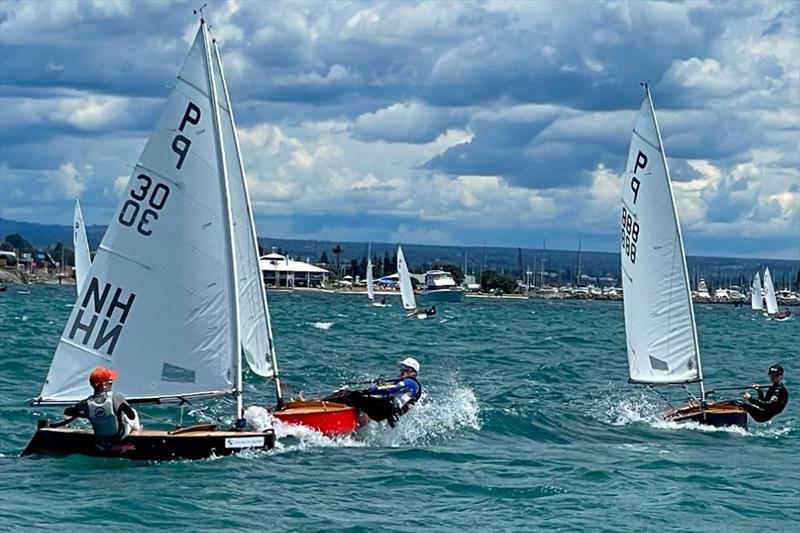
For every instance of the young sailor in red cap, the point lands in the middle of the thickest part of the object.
(111, 416)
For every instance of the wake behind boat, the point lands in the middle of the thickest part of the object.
(659, 317)
(176, 330)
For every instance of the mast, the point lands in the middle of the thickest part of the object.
(680, 243)
(273, 353)
(236, 345)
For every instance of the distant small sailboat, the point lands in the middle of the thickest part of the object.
(371, 282)
(756, 298)
(406, 289)
(177, 331)
(80, 243)
(772, 301)
(659, 317)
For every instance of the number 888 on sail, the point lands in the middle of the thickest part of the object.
(630, 235)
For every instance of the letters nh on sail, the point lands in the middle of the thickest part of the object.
(99, 322)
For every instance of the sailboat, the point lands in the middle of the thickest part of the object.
(756, 299)
(772, 301)
(81, 246)
(406, 289)
(173, 299)
(371, 282)
(659, 318)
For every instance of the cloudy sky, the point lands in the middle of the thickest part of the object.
(497, 123)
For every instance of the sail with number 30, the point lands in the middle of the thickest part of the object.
(659, 318)
(173, 295)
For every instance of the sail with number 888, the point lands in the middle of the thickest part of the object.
(659, 318)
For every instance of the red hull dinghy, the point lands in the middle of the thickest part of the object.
(328, 418)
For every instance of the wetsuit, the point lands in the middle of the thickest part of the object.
(382, 402)
(107, 428)
(768, 404)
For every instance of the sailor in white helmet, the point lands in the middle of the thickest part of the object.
(388, 399)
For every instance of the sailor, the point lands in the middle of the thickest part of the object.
(386, 400)
(770, 403)
(111, 416)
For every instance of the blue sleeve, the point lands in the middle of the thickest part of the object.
(400, 386)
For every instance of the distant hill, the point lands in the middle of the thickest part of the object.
(562, 264)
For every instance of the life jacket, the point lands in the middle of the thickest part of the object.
(405, 400)
(102, 416)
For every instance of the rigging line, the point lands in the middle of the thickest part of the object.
(652, 388)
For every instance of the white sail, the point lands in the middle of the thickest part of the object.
(159, 301)
(81, 247)
(253, 311)
(406, 290)
(659, 318)
(370, 290)
(769, 293)
(756, 299)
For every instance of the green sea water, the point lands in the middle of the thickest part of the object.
(528, 423)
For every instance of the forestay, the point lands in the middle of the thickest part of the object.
(769, 293)
(253, 311)
(406, 290)
(158, 303)
(756, 300)
(659, 319)
(81, 247)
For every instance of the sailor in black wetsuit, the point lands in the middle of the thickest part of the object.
(770, 403)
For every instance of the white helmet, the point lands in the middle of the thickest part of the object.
(410, 362)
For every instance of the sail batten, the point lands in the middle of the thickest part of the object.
(659, 318)
(158, 298)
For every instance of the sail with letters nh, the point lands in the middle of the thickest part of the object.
(406, 290)
(756, 300)
(160, 302)
(769, 293)
(659, 318)
(253, 309)
(370, 289)
(81, 248)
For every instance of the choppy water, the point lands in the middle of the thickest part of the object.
(528, 424)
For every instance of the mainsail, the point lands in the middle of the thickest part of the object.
(81, 247)
(370, 290)
(756, 300)
(256, 335)
(159, 303)
(659, 318)
(406, 290)
(769, 294)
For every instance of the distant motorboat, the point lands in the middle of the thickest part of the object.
(441, 287)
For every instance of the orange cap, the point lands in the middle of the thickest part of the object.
(101, 375)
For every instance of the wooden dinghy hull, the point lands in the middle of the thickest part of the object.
(195, 442)
(718, 414)
(329, 418)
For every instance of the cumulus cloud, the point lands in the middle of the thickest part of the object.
(446, 122)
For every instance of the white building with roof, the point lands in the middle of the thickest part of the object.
(281, 271)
